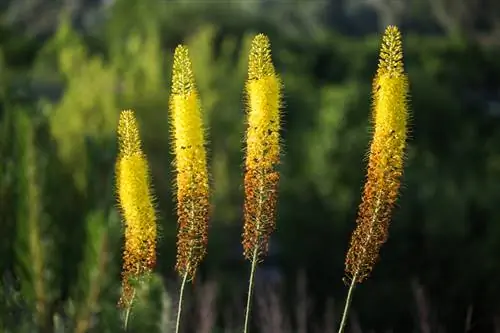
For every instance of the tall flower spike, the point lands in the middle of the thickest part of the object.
(263, 149)
(385, 165)
(136, 202)
(192, 173)
(390, 116)
(263, 91)
(191, 166)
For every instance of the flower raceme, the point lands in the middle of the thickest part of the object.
(263, 149)
(263, 93)
(385, 166)
(191, 166)
(136, 203)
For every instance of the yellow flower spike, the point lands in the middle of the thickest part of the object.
(386, 158)
(263, 91)
(192, 174)
(136, 203)
(191, 166)
(385, 166)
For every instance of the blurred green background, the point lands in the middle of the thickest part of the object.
(68, 67)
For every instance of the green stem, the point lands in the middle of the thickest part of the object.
(127, 313)
(181, 296)
(348, 301)
(250, 289)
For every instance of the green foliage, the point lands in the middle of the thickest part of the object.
(152, 308)
(33, 245)
(88, 109)
(95, 275)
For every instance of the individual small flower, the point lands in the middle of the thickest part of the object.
(191, 166)
(136, 203)
(385, 168)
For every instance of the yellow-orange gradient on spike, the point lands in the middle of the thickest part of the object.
(386, 156)
(136, 202)
(263, 93)
(191, 166)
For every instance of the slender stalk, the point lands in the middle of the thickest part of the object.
(181, 296)
(348, 301)
(129, 309)
(255, 256)
(250, 289)
(347, 306)
(185, 277)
